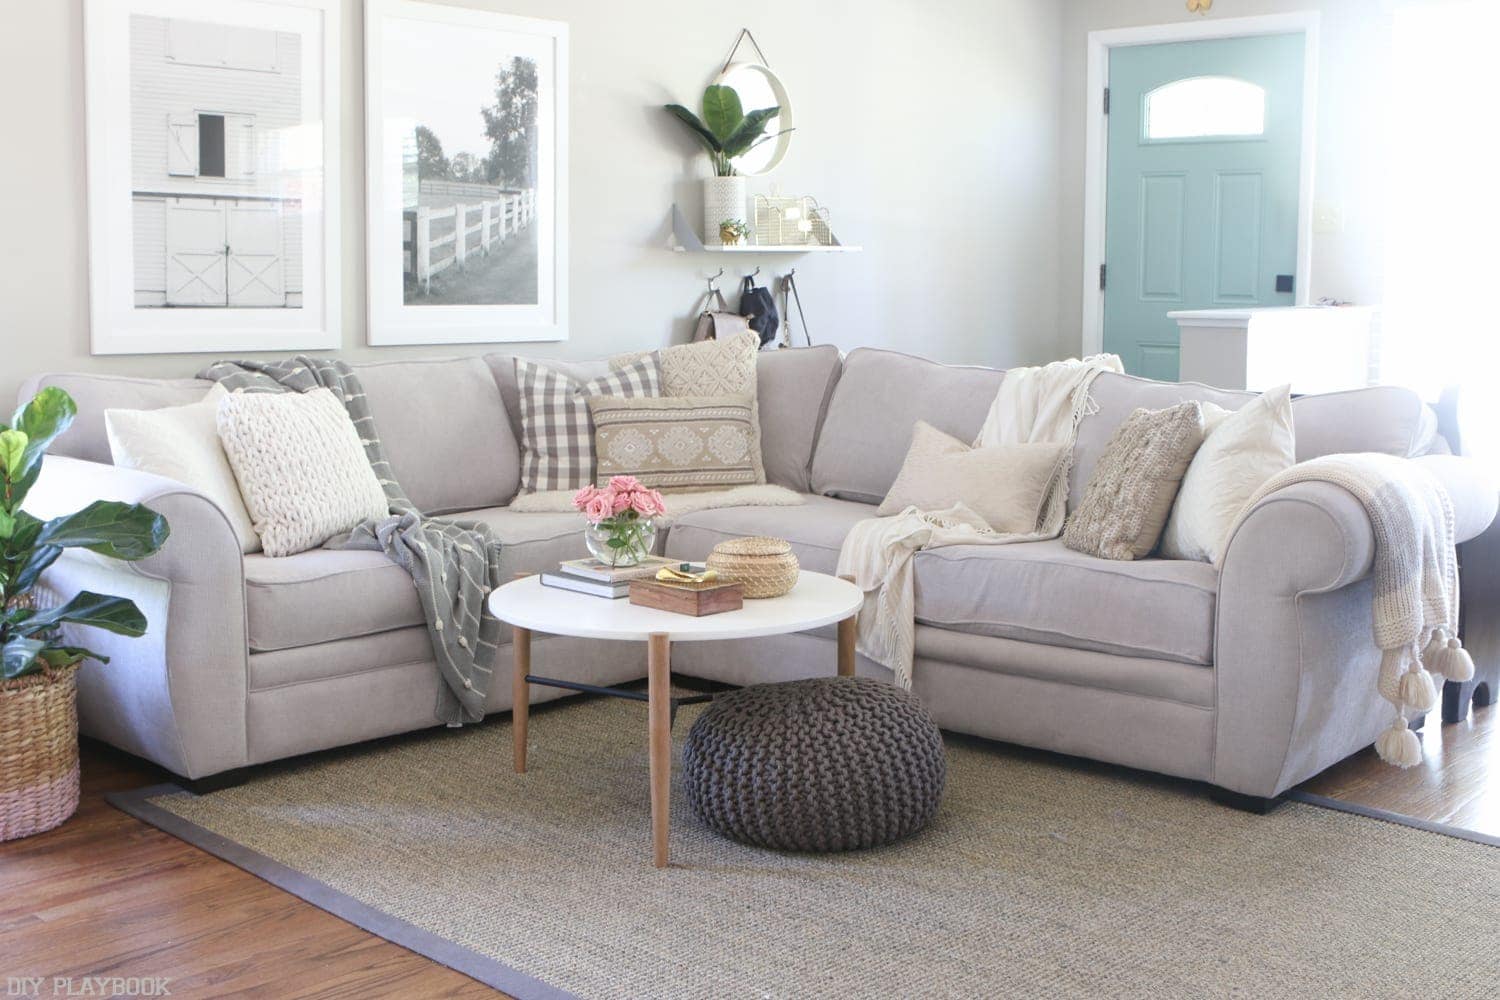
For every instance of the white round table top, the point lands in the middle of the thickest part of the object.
(816, 600)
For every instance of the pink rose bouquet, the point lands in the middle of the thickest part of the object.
(619, 516)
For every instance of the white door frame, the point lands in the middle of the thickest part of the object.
(1096, 145)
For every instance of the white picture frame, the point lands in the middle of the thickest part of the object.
(418, 183)
(210, 118)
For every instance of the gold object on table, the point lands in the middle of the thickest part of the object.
(766, 566)
(685, 574)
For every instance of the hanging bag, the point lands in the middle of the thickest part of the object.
(716, 322)
(790, 295)
(758, 306)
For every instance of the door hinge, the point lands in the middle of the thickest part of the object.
(1106, 100)
(1101, 277)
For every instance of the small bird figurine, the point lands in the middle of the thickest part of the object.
(1199, 6)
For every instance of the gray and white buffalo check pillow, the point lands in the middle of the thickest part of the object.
(557, 433)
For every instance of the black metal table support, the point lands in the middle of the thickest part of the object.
(616, 692)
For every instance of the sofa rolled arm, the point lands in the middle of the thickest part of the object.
(1295, 658)
(1470, 486)
(177, 694)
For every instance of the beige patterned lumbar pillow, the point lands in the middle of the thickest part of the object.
(300, 466)
(708, 368)
(682, 443)
(1130, 494)
(1005, 484)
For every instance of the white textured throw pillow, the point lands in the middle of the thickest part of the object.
(300, 466)
(182, 443)
(1004, 484)
(1243, 449)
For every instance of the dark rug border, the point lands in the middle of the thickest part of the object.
(1400, 819)
(486, 970)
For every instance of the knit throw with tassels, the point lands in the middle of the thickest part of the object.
(1416, 582)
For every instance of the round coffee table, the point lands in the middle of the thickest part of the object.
(816, 600)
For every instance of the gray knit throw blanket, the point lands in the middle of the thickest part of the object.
(453, 564)
(1416, 582)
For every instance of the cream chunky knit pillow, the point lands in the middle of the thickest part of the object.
(301, 468)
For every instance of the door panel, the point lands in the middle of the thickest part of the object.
(257, 276)
(1201, 201)
(195, 252)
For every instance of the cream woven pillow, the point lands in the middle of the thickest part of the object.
(1005, 484)
(300, 466)
(1243, 449)
(709, 368)
(182, 443)
(1131, 491)
(683, 443)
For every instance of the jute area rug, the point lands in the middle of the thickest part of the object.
(1039, 877)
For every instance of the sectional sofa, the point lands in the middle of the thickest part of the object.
(1250, 677)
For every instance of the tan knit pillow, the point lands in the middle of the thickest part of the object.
(683, 443)
(1130, 494)
(1004, 484)
(709, 368)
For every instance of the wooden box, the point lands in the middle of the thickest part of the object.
(696, 599)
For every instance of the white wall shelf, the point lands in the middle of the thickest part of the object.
(685, 239)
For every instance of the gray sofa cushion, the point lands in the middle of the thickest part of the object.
(816, 529)
(324, 595)
(1044, 592)
(94, 394)
(794, 388)
(445, 432)
(878, 400)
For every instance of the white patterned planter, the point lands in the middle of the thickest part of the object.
(723, 198)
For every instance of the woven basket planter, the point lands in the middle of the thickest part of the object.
(38, 751)
(766, 567)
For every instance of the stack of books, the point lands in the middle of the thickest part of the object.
(600, 579)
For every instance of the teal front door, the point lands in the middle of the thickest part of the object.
(1205, 145)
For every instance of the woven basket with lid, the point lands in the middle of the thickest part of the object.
(38, 751)
(766, 567)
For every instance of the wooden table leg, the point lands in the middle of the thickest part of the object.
(520, 695)
(846, 641)
(659, 693)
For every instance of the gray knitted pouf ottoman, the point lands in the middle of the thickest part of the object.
(831, 764)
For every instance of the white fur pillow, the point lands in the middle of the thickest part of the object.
(300, 466)
(1004, 484)
(182, 443)
(1243, 449)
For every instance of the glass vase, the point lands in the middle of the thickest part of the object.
(620, 542)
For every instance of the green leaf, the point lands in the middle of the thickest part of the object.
(722, 112)
(18, 657)
(49, 413)
(749, 132)
(12, 452)
(696, 126)
(117, 530)
(7, 525)
(113, 614)
(66, 656)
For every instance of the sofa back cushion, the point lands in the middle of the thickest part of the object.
(1386, 419)
(445, 432)
(879, 398)
(94, 394)
(794, 386)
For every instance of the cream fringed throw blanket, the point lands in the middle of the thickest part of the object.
(1034, 405)
(1416, 582)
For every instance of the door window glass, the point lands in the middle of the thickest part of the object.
(1202, 107)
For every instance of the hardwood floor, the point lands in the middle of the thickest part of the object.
(107, 895)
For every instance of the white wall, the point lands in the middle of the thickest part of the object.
(1352, 137)
(929, 129)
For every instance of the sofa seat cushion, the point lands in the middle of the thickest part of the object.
(815, 530)
(1043, 592)
(324, 594)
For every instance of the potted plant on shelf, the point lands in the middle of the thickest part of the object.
(731, 231)
(621, 528)
(727, 132)
(38, 712)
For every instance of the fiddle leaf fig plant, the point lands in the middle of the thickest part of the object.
(31, 638)
(726, 130)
